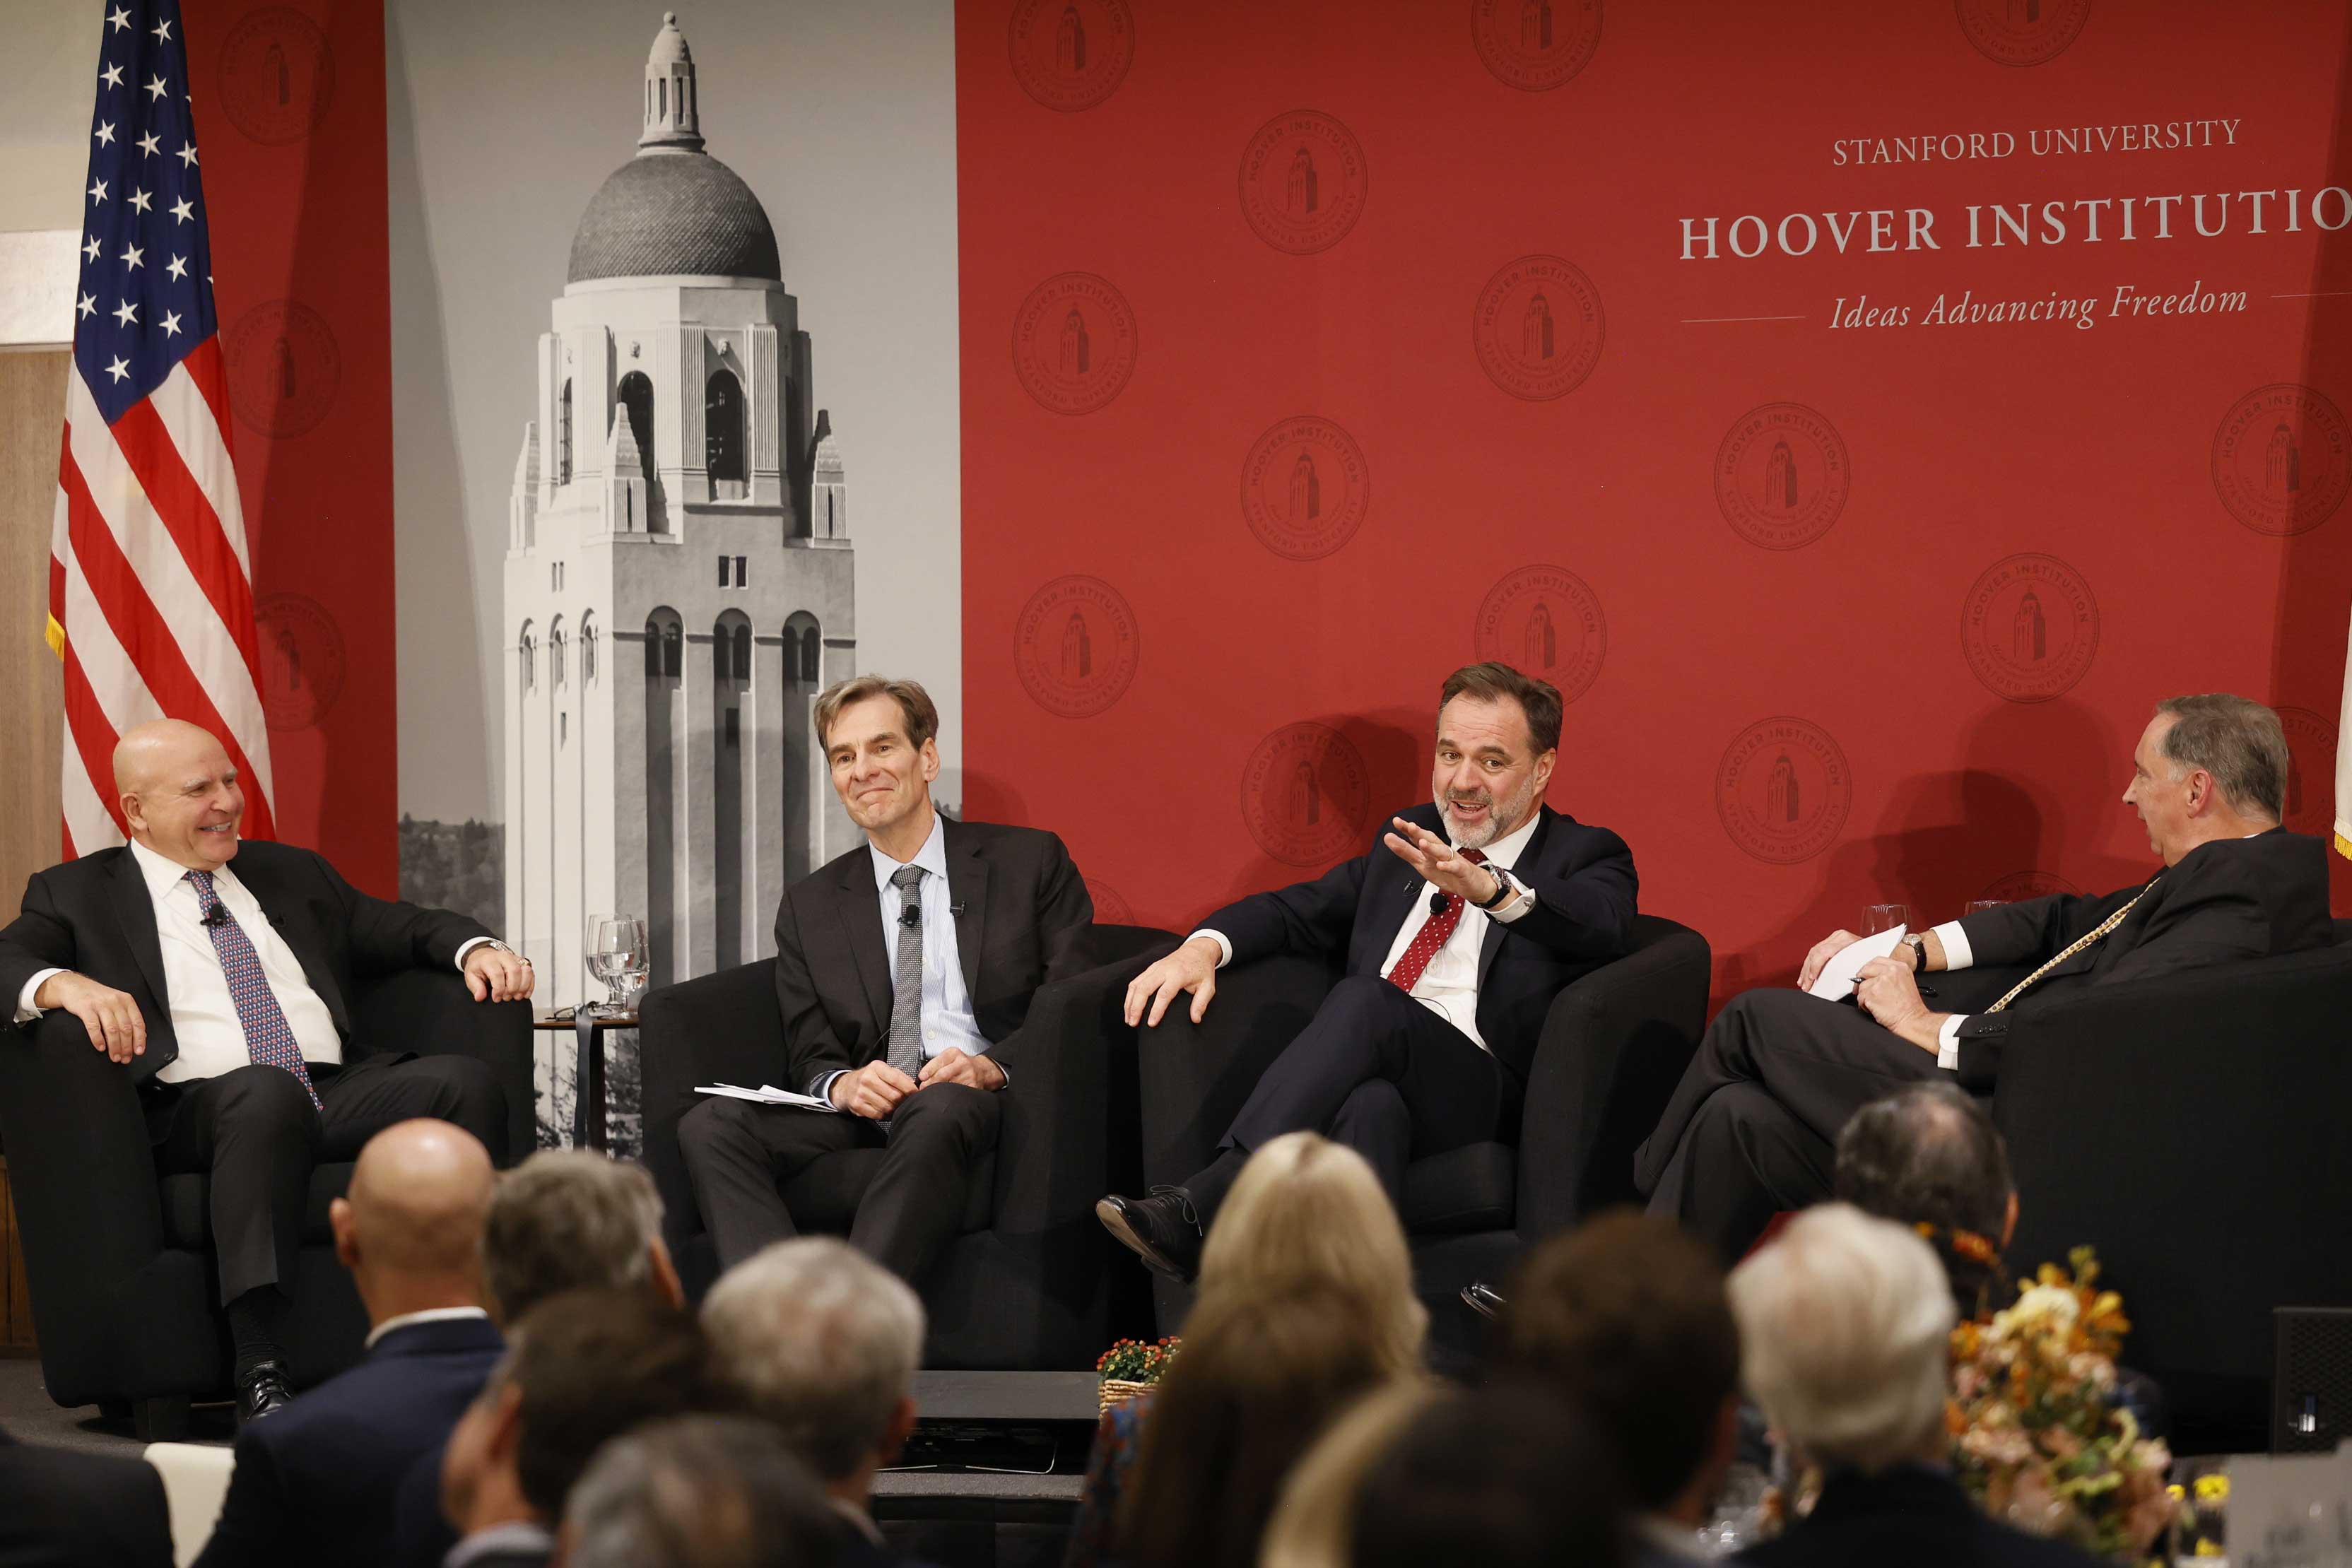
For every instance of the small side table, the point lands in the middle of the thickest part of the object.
(588, 1089)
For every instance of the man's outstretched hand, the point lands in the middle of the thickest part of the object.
(1191, 967)
(1828, 947)
(112, 1018)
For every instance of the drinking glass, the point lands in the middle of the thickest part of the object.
(1885, 917)
(1979, 906)
(617, 956)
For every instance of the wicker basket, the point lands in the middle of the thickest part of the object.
(1112, 1391)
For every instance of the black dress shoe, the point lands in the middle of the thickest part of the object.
(1163, 1230)
(262, 1392)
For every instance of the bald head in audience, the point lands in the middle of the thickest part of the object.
(410, 1227)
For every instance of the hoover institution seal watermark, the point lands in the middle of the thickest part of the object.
(1304, 794)
(2029, 627)
(1783, 790)
(1073, 342)
(1546, 620)
(1305, 487)
(1076, 646)
(1537, 328)
(1781, 477)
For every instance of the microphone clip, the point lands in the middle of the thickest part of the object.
(910, 916)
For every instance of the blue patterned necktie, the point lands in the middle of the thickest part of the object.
(266, 1034)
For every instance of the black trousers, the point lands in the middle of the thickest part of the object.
(1379, 1072)
(256, 1136)
(1752, 1127)
(908, 1205)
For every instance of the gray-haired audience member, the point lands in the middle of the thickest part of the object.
(1625, 1317)
(1844, 1326)
(572, 1220)
(699, 1492)
(563, 1220)
(1929, 1154)
(822, 1343)
(584, 1367)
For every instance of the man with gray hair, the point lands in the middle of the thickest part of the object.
(1748, 1130)
(699, 1492)
(822, 1343)
(563, 1220)
(1843, 1324)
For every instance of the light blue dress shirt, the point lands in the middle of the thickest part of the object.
(946, 1014)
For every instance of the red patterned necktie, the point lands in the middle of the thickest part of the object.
(267, 1033)
(1432, 936)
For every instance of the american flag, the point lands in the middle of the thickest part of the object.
(151, 585)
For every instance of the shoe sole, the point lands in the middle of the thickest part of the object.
(1114, 1219)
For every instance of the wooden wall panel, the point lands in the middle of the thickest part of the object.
(32, 415)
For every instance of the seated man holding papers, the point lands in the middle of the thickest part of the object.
(1751, 1129)
(898, 967)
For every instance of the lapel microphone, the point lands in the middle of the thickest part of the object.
(956, 910)
(1436, 902)
(218, 914)
(912, 915)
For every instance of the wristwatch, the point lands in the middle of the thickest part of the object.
(1504, 887)
(1917, 943)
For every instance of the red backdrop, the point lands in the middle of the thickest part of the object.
(290, 113)
(1782, 569)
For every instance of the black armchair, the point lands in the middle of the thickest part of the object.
(1029, 1284)
(2191, 1129)
(1614, 1045)
(120, 1263)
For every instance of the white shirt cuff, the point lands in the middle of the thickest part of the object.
(26, 1011)
(1947, 1042)
(823, 1087)
(1958, 954)
(1225, 948)
(473, 942)
(1516, 905)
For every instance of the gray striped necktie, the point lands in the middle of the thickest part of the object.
(906, 975)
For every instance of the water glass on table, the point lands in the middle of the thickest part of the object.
(1880, 918)
(618, 957)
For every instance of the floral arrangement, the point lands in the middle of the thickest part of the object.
(2037, 1437)
(1131, 1367)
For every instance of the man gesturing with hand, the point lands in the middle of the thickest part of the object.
(900, 969)
(1456, 930)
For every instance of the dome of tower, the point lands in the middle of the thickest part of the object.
(670, 211)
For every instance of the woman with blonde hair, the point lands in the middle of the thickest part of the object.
(1313, 1524)
(1307, 1222)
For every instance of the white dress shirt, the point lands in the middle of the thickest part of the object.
(428, 1315)
(947, 1016)
(1449, 986)
(196, 986)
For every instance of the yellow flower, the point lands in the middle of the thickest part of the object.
(2214, 1488)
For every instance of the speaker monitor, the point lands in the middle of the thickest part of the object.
(2311, 1388)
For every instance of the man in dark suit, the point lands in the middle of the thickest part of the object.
(900, 969)
(315, 1483)
(224, 993)
(587, 1366)
(65, 1510)
(1458, 930)
(1752, 1128)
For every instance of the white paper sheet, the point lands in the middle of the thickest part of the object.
(1836, 982)
(766, 1094)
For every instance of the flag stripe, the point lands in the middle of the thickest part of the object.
(194, 413)
(182, 609)
(90, 818)
(119, 594)
(186, 511)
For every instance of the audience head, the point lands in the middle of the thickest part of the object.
(2208, 767)
(1306, 1210)
(409, 1227)
(822, 1343)
(1626, 1317)
(699, 1491)
(180, 792)
(1497, 740)
(1502, 1478)
(572, 1220)
(583, 1367)
(1929, 1154)
(1258, 1378)
(1844, 1323)
(1313, 1524)
(880, 739)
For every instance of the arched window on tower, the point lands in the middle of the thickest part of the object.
(743, 643)
(527, 647)
(811, 653)
(555, 648)
(637, 399)
(722, 425)
(563, 434)
(588, 649)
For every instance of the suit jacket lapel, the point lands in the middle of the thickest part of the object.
(1492, 942)
(136, 908)
(861, 914)
(967, 886)
(300, 939)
